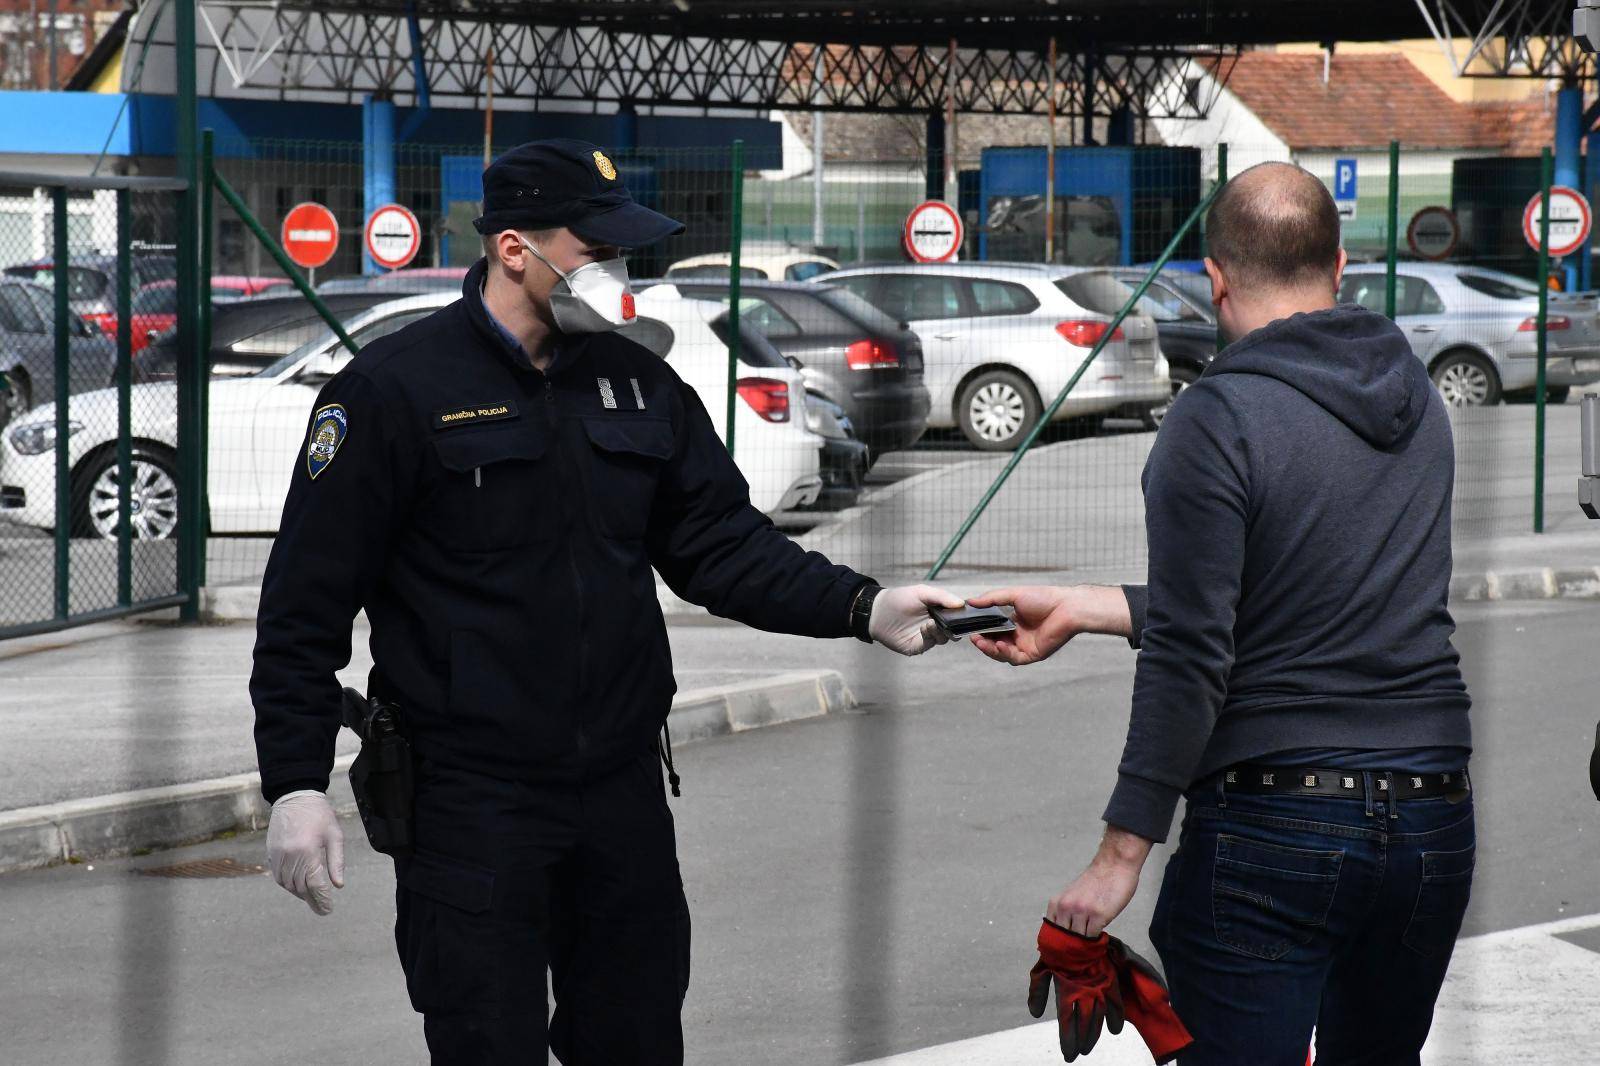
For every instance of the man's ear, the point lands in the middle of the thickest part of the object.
(1338, 272)
(1219, 284)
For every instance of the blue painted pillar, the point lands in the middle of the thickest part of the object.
(377, 165)
(625, 129)
(1569, 145)
(935, 162)
(1591, 187)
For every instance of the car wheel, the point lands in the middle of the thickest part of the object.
(1182, 378)
(996, 409)
(1467, 379)
(153, 510)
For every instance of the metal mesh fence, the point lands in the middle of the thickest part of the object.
(75, 264)
(874, 400)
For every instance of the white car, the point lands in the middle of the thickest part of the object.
(1000, 340)
(258, 422)
(760, 260)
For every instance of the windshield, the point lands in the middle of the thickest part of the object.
(1105, 295)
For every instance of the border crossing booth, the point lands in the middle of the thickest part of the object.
(1113, 205)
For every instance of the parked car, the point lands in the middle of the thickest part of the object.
(1476, 329)
(758, 261)
(92, 278)
(249, 334)
(409, 279)
(851, 353)
(28, 349)
(779, 456)
(257, 422)
(155, 306)
(1186, 326)
(1000, 340)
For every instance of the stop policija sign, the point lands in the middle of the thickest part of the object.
(1569, 221)
(310, 234)
(393, 236)
(933, 232)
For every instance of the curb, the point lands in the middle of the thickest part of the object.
(173, 815)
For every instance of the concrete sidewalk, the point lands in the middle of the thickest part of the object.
(130, 736)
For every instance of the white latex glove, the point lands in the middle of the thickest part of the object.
(305, 848)
(900, 620)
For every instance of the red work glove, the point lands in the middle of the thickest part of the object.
(1144, 997)
(1088, 991)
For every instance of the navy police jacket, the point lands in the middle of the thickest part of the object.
(499, 526)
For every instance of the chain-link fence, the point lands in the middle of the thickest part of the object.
(89, 473)
(874, 400)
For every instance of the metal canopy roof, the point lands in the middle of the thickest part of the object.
(716, 56)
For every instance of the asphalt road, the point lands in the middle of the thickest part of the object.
(862, 885)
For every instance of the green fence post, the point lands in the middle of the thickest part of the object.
(1083, 367)
(124, 399)
(1544, 307)
(1394, 226)
(63, 335)
(202, 345)
(192, 368)
(733, 285)
(1222, 163)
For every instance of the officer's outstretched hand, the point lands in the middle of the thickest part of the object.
(901, 622)
(305, 848)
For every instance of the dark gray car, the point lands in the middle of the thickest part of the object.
(849, 352)
(28, 349)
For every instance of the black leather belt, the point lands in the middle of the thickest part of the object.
(1352, 784)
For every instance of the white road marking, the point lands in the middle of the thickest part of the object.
(1515, 996)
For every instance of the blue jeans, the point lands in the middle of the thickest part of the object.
(1280, 913)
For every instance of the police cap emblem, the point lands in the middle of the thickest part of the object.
(603, 165)
(329, 426)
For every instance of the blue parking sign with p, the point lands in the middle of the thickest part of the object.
(1344, 179)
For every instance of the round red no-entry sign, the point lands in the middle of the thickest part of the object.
(393, 236)
(933, 232)
(310, 234)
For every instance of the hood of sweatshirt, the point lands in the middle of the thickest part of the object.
(1353, 362)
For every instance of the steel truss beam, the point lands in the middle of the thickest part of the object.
(274, 51)
(1508, 38)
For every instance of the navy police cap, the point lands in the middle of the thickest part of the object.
(563, 182)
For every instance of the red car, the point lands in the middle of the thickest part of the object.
(155, 306)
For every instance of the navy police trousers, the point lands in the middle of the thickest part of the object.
(509, 879)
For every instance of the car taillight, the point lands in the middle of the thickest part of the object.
(767, 397)
(1086, 333)
(627, 307)
(871, 355)
(1551, 322)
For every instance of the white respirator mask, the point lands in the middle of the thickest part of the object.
(592, 299)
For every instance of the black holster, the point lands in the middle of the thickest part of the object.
(382, 776)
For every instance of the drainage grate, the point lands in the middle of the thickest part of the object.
(206, 868)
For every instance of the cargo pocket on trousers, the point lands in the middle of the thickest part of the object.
(447, 937)
(1267, 899)
(1441, 901)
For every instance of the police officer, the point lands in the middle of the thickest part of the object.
(493, 485)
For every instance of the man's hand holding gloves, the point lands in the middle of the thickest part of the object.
(1099, 983)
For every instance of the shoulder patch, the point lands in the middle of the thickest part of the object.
(329, 426)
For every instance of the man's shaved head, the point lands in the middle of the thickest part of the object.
(1274, 227)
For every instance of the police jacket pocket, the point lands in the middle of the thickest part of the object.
(447, 936)
(496, 489)
(628, 452)
(1267, 899)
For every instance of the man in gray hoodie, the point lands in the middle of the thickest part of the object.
(1296, 681)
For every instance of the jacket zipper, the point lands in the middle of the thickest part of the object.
(572, 563)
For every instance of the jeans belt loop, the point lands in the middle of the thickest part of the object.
(1222, 790)
(1367, 790)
